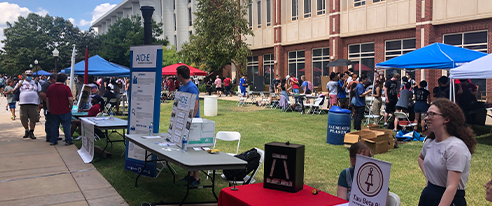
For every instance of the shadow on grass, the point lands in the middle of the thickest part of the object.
(485, 139)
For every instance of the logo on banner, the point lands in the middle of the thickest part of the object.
(370, 179)
(135, 80)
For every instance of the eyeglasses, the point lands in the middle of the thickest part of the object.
(431, 114)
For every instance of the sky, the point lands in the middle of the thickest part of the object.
(80, 12)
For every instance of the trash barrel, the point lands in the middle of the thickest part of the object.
(210, 106)
(339, 123)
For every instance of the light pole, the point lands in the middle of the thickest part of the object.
(55, 54)
(147, 8)
(36, 63)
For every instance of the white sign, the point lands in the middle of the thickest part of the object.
(181, 116)
(141, 112)
(86, 152)
(144, 56)
(370, 184)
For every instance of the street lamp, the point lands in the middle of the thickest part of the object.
(147, 8)
(36, 63)
(55, 54)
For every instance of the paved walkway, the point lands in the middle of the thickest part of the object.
(34, 173)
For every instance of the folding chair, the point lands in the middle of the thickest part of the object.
(401, 115)
(248, 179)
(264, 100)
(318, 105)
(393, 199)
(275, 101)
(242, 100)
(315, 104)
(228, 137)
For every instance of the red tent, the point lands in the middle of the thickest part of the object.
(171, 70)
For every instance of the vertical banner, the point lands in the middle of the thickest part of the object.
(86, 152)
(370, 183)
(144, 103)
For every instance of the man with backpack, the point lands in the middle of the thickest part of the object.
(442, 91)
(29, 101)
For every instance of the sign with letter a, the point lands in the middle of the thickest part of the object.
(370, 183)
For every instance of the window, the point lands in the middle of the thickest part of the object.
(268, 72)
(190, 33)
(471, 40)
(250, 14)
(359, 3)
(259, 13)
(269, 12)
(174, 22)
(175, 41)
(376, 1)
(252, 68)
(395, 48)
(190, 18)
(295, 5)
(321, 7)
(363, 57)
(296, 63)
(189, 1)
(321, 57)
(307, 8)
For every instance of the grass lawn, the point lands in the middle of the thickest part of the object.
(323, 162)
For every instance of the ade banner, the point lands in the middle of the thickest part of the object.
(144, 103)
(370, 183)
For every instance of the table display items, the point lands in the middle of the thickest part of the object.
(284, 166)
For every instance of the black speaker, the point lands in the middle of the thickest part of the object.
(258, 83)
(284, 166)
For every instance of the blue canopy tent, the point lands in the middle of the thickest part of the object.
(434, 56)
(42, 72)
(100, 67)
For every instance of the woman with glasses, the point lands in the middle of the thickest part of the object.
(446, 154)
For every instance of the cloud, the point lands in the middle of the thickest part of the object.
(100, 10)
(71, 20)
(10, 12)
(83, 22)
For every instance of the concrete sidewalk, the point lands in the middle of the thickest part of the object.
(34, 173)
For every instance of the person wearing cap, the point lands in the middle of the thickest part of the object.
(47, 114)
(29, 101)
(60, 102)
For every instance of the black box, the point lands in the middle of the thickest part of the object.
(284, 166)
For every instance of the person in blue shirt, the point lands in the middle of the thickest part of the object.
(360, 101)
(243, 84)
(183, 76)
(342, 96)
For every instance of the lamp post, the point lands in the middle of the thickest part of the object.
(36, 64)
(55, 54)
(147, 8)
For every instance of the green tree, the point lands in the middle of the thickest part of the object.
(35, 37)
(220, 28)
(126, 32)
(169, 56)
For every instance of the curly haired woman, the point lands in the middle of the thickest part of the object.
(446, 154)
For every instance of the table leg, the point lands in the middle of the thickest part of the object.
(187, 191)
(141, 171)
(170, 170)
(107, 142)
(213, 186)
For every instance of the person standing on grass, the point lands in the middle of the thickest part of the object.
(195, 79)
(47, 115)
(218, 85)
(9, 92)
(378, 101)
(360, 101)
(294, 83)
(422, 101)
(183, 73)
(332, 87)
(406, 98)
(210, 82)
(227, 84)
(243, 85)
(446, 154)
(391, 94)
(60, 102)
(342, 95)
(29, 101)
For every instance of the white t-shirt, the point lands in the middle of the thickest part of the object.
(29, 92)
(332, 86)
(196, 80)
(451, 154)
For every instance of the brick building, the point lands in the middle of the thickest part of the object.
(302, 36)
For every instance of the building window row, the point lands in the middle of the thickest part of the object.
(395, 48)
(268, 68)
(259, 13)
(252, 68)
(363, 2)
(363, 57)
(297, 63)
(321, 58)
(320, 8)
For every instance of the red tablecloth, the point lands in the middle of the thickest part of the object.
(256, 195)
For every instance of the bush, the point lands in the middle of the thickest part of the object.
(202, 88)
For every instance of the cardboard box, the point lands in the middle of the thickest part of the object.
(324, 81)
(377, 147)
(373, 126)
(350, 139)
(388, 136)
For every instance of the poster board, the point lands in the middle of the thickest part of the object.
(86, 151)
(202, 133)
(83, 99)
(181, 116)
(144, 103)
(370, 184)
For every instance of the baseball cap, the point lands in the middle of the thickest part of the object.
(28, 72)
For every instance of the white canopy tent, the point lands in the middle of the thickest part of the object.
(478, 69)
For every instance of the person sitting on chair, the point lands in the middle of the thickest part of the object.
(97, 105)
(109, 95)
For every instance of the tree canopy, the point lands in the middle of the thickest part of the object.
(126, 32)
(220, 28)
(35, 37)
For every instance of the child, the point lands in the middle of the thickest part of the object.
(9, 91)
(346, 176)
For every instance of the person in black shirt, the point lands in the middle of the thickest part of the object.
(391, 91)
(422, 101)
(442, 91)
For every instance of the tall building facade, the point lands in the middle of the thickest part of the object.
(303, 36)
(176, 17)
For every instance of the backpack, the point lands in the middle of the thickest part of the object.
(442, 93)
(310, 86)
(253, 158)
